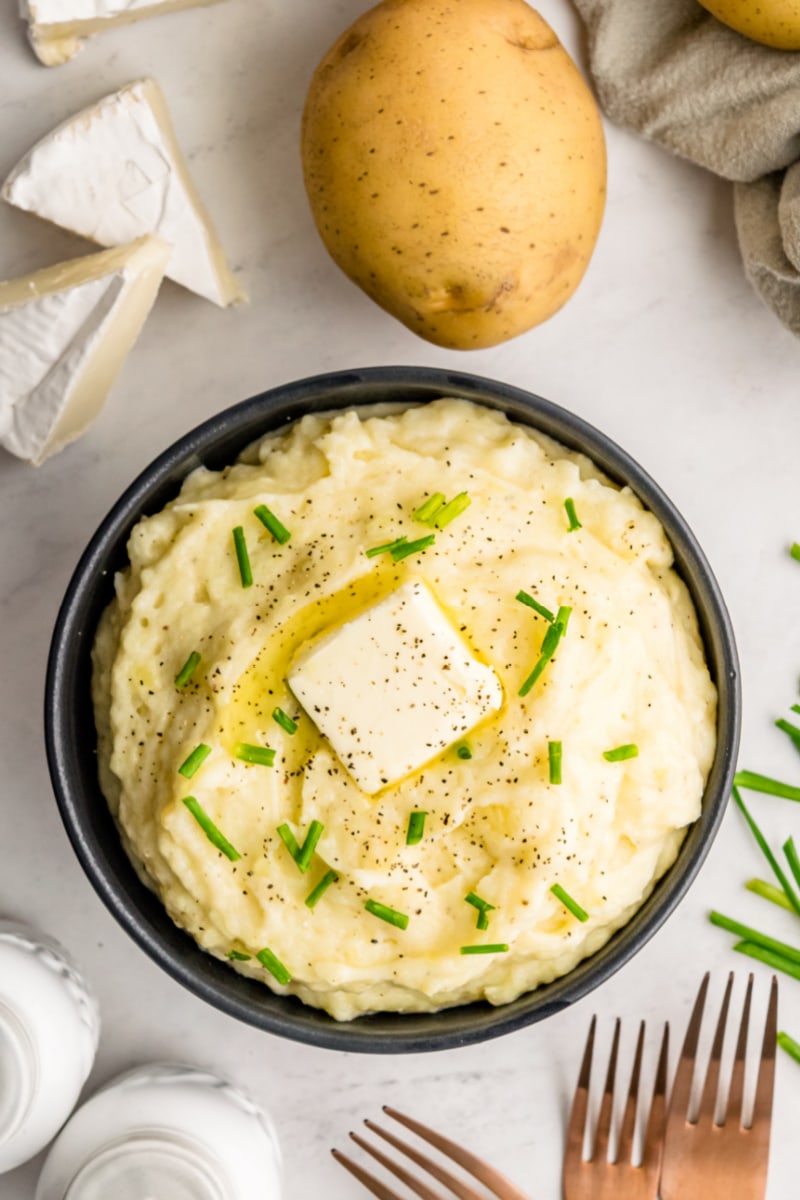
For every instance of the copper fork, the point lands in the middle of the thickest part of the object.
(596, 1178)
(725, 1160)
(496, 1183)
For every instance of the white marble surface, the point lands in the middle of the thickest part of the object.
(664, 346)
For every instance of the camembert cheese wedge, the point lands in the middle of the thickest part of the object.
(113, 173)
(56, 28)
(64, 334)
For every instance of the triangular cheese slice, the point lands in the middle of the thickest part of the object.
(64, 334)
(56, 27)
(113, 173)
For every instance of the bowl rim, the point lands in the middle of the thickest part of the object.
(137, 909)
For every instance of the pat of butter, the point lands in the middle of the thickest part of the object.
(394, 687)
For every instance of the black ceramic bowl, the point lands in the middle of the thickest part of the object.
(69, 722)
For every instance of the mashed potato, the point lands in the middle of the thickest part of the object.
(627, 671)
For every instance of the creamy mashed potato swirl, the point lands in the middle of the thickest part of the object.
(629, 670)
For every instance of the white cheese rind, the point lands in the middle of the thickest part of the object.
(56, 27)
(113, 173)
(64, 335)
(394, 687)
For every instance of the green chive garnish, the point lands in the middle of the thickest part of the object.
(405, 548)
(385, 547)
(237, 956)
(549, 646)
(526, 598)
(483, 907)
(776, 961)
(620, 753)
(747, 934)
(390, 915)
(242, 557)
(451, 510)
(796, 708)
(572, 516)
(768, 891)
(190, 766)
(306, 852)
(416, 827)
(268, 519)
(788, 1044)
(554, 760)
(262, 756)
(274, 966)
(210, 830)
(188, 669)
(795, 551)
(289, 840)
(790, 851)
(429, 508)
(463, 751)
(762, 783)
(562, 618)
(789, 891)
(284, 720)
(569, 903)
(791, 730)
(316, 893)
(487, 948)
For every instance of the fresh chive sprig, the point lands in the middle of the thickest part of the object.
(188, 669)
(429, 508)
(531, 602)
(310, 843)
(385, 547)
(768, 891)
(315, 895)
(483, 907)
(554, 756)
(763, 783)
(790, 730)
(569, 903)
(549, 646)
(621, 753)
(214, 835)
(416, 827)
(486, 948)
(404, 549)
(789, 1044)
(385, 913)
(572, 516)
(777, 870)
(769, 957)
(261, 756)
(453, 508)
(192, 764)
(284, 720)
(274, 965)
(795, 551)
(271, 523)
(237, 956)
(748, 934)
(289, 840)
(242, 557)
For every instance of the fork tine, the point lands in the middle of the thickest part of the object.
(576, 1129)
(492, 1179)
(736, 1091)
(625, 1144)
(416, 1185)
(762, 1106)
(708, 1100)
(457, 1186)
(653, 1141)
(369, 1181)
(603, 1131)
(682, 1086)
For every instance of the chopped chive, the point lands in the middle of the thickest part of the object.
(792, 730)
(795, 551)
(463, 751)
(776, 961)
(303, 859)
(796, 708)
(190, 766)
(483, 907)
(188, 669)
(385, 547)
(416, 827)
(562, 617)
(429, 508)
(262, 756)
(451, 510)
(405, 548)
(526, 598)
(242, 557)
(765, 850)
(289, 840)
(768, 891)
(284, 720)
(390, 915)
(210, 829)
(554, 761)
(274, 966)
(569, 903)
(482, 922)
(762, 783)
(620, 753)
(237, 956)
(788, 1044)
(549, 646)
(747, 934)
(572, 516)
(486, 948)
(268, 519)
(790, 851)
(315, 895)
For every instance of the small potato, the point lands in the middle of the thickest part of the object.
(455, 164)
(771, 22)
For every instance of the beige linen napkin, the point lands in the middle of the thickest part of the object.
(669, 70)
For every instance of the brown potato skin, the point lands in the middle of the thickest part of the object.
(455, 164)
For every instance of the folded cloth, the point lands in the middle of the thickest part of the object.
(674, 73)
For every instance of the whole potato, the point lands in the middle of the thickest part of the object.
(771, 22)
(455, 164)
